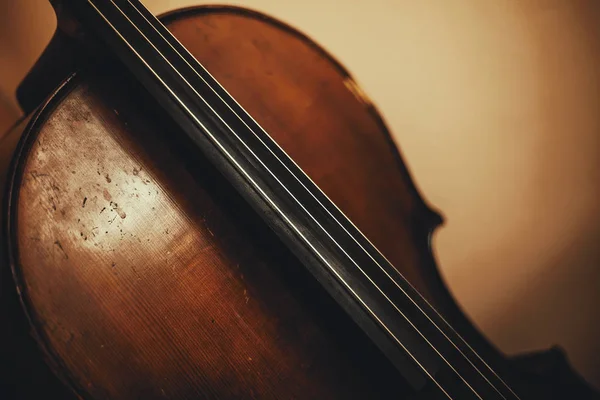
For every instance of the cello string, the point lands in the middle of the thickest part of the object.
(158, 51)
(287, 190)
(265, 196)
(325, 208)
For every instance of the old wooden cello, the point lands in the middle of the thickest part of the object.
(135, 224)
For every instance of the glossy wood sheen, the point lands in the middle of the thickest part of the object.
(144, 282)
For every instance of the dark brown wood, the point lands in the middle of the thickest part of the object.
(23, 372)
(56, 63)
(145, 277)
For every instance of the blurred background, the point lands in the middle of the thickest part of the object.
(496, 108)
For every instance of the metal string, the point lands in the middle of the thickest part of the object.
(307, 177)
(265, 196)
(324, 194)
(183, 58)
(286, 189)
(325, 208)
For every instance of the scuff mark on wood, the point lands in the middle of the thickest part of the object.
(118, 210)
(53, 203)
(57, 243)
(35, 175)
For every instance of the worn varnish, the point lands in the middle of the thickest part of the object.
(146, 277)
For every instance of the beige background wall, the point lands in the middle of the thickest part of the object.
(496, 105)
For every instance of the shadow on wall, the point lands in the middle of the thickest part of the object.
(530, 210)
(561, 297)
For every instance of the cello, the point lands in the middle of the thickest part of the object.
(177, 224)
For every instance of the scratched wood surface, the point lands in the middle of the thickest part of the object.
(146, 278)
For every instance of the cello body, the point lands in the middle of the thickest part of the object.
(143, 275)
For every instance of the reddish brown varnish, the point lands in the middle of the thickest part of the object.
(144, 280)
